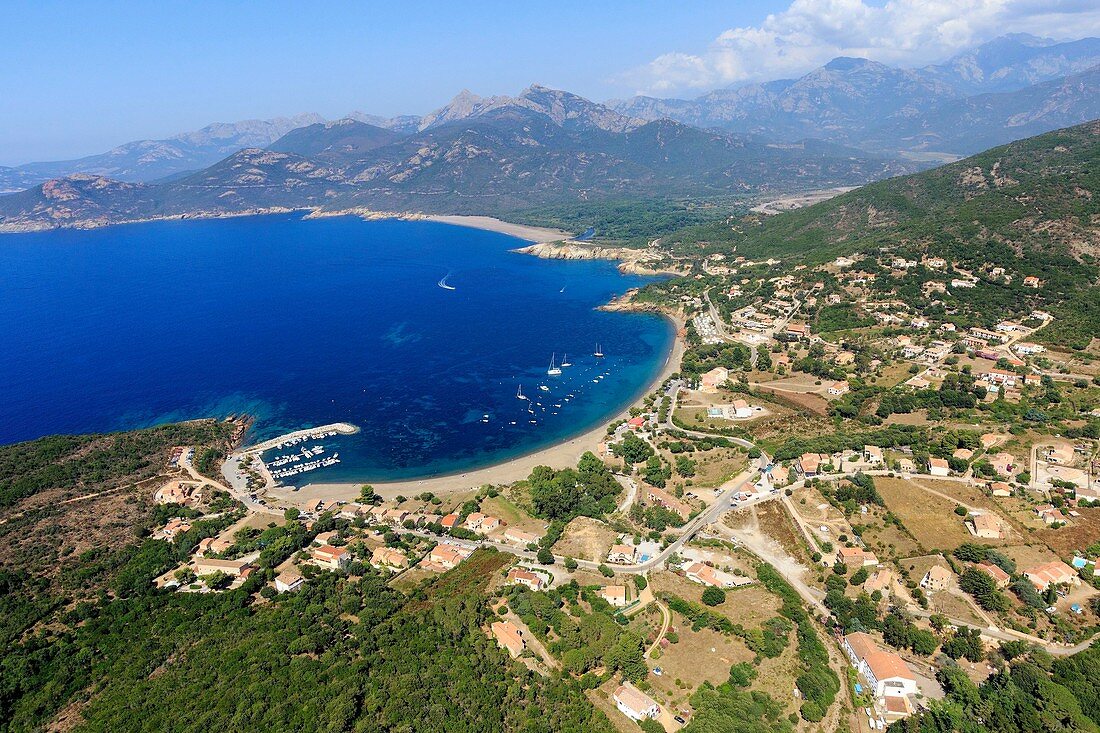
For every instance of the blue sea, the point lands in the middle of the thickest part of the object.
(420, 333)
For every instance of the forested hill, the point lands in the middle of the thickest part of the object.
(1031, 207)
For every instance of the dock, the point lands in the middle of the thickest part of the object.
(299, 436)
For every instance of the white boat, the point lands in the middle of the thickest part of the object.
(565, 361)
(599, 351)
(544, 388)
(553, 371)
(519, 393)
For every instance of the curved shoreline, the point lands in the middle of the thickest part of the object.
(562, 454)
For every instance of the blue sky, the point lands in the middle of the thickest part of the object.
(81, 77)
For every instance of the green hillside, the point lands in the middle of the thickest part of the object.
(1031, 207)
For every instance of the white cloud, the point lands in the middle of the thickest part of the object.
(900, 32)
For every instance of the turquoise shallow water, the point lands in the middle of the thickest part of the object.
(309, 322)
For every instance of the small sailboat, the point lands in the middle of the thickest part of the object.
(553, 371)
(599, 352)
(519, 393)
(565, 361)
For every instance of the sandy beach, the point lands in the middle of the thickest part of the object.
(560, 455)
(522, 231)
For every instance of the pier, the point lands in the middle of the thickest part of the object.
(300, 436)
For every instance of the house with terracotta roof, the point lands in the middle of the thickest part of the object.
(447, 556)
(810, 463)
(706, 575)
(880, 580)
(288, 581)
(509, 637)
(1055, 572)
(712, 380)
(873, 455)
(209, 545)
(524, 577)
(1003, 463)
(937, 578)
(389, 557)
(838, 388)
(450, 521)
(172, 529)
(331, 558)
(635, 704)
(741, 409)
(662, 498)
(209, 565)
(622, 554)
(1049, 514)
(801, 330)
(780, 475)
(1000, 577)
(520, 537)
(896, 707)
(479, 522)
(886, 672)
(1032, 282)
(985, 525)
(614, 594)
(938, 467)
(1000, 488)
(857, 557)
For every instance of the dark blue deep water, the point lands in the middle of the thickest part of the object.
(302, 323)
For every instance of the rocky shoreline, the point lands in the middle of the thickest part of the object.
(631, 261)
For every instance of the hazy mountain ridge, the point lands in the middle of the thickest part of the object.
(501, 158)
(848, 99)
(147, 160)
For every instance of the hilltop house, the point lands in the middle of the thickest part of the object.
(614, 594)
(706, 575)
(520, 537)
(622, 554)
(937, 578)
(1055, 572)
(524, 577)
(509, 637)
(985, 525)
(662, 498)
(331, 558)
(886, 672)
(635, 704)
(1000, 577)
(712, 380)
(288, 581)
(857, 557)
(389, 557)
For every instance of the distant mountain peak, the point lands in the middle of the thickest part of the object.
(847, 63)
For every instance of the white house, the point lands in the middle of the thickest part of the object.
(635, 704)
(885, 672)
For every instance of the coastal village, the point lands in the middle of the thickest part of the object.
(886, 468)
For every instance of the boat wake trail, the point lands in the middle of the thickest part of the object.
(443, 283)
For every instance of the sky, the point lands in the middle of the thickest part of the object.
(81, 77)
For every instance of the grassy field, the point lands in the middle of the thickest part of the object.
(930, 518)
(585, 539)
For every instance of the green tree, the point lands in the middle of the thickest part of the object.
(714, 596)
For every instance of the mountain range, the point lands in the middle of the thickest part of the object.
(148, 160)
(473, 156)
(846, 123)
(876, 107)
